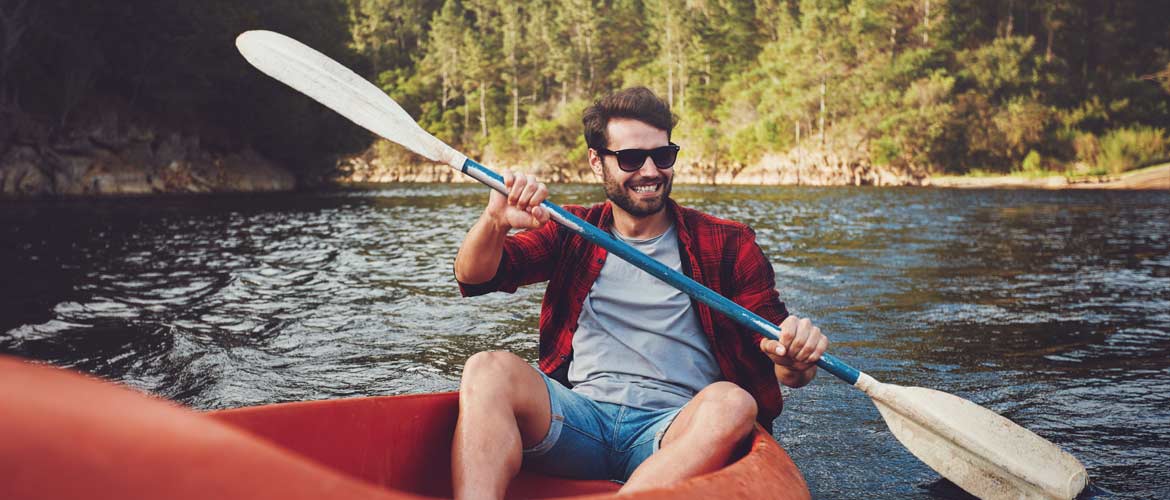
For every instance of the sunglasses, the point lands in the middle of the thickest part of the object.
(631, 160)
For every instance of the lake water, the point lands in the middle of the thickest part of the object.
(1051, 308)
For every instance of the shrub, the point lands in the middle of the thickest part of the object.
(885, 151)
(1032, 163)
(1087, 147)
(1022, 125)
(1132, 147)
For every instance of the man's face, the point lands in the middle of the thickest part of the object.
(642, 192)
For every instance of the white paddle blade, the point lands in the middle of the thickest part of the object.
(328, 82)
(982, 452)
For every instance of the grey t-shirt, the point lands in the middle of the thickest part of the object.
(638, 341)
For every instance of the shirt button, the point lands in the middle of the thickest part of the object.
(599, 261)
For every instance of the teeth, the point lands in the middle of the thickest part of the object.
(646, 189)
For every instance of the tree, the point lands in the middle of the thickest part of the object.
(388, 32)
(443, 54)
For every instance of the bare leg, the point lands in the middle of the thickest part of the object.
(503, 408)
(701, 438)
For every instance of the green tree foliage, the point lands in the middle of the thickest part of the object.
(921, 85)
(387, 32)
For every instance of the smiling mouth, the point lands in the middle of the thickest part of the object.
(647, 188)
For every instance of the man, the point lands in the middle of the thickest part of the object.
(663, 388)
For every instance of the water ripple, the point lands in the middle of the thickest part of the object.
(1052, 308)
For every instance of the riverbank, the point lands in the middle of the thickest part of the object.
(1155, 177)
(798, 167)
(111, 155)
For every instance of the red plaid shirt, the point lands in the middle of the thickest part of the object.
(720, 254)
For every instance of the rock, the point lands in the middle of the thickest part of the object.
(140, 134)
(249, 172)
(72, 143)
(169, 150)
(111, 175)
(820, 168)
(369, 168)
(20, 176)
(105, 132)
(110, 148)
(100, 162)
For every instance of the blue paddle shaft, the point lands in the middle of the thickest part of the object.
(674, 278)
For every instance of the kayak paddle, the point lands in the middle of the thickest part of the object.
(975, 448)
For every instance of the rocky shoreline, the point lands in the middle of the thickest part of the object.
(114, 158)
(110, 157)
(798, 167)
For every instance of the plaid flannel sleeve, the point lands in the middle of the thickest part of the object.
(756, 290)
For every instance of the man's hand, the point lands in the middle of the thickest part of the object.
(521, 208)
(479, 255)
(796, 353)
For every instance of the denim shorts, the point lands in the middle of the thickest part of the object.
(589, 439)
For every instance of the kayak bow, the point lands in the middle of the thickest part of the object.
(67, 435)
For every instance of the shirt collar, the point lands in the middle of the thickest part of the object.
(675, 211)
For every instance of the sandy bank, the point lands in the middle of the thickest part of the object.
(1156, 177)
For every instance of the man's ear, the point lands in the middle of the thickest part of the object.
(595, 163)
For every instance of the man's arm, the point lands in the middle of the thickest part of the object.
(479, 255)
(478, 259)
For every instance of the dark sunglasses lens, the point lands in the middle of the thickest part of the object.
(631, 160)
(664, 156)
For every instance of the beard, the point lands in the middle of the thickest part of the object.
(620, 195)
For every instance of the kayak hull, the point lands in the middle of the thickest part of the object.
(66, 435)
(404, 443)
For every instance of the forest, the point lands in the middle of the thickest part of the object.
(914, 86)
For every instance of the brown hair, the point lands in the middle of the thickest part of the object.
(638, 103)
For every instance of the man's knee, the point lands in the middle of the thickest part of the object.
(730, 410)
(490, 371)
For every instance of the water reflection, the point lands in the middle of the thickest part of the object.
(1051, 308)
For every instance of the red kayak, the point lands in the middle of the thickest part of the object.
(65, 435)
